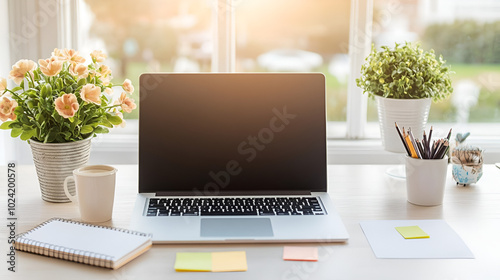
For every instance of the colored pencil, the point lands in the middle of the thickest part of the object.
(425, 148)
(414, 143)
(402, 140)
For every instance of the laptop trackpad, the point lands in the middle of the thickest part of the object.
(236, 227)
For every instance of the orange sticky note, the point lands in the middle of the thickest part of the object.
(295, 253)
(229, 261)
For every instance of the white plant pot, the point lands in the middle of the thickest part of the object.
(408, 113)
(56, 161)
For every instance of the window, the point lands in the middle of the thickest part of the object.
(332, 37)
(148, 36)
(466, 34)
(5, 145)
(297, 36)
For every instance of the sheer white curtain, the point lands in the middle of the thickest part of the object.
(33, 29)
(6, 142)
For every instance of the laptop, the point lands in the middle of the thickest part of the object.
(234, 157)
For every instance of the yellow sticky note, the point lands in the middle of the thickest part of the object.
(293, 253)
(193, 262)
(412, 232)
(229, 261)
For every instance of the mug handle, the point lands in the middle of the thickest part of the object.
(66, 191)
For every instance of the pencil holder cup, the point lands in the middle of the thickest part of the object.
(425, 180)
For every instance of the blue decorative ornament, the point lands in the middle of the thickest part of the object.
(466, 175)
(467, 164)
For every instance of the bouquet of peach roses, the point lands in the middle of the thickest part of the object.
(62, 99)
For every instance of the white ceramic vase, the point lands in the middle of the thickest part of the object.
(56, 161)
(407, 113)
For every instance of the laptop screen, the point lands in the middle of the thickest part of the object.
(232, 133)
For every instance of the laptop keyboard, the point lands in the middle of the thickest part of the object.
(249, 206)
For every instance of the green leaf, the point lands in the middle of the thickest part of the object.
(82, 82)
(86, 129)
(101, 129)
(16, 124)
(59, 83)
(18, 111)
(115, 120)
(51, 136)
(66, 134)
(5, 125)
(106, 123)
(16, 131)
(27, 134)
(16, 89)
(46, 90)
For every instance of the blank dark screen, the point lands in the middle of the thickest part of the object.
(216, 133)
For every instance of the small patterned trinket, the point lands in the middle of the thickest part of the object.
(467, 164)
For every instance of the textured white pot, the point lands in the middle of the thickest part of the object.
(407, 113)
(56, 161)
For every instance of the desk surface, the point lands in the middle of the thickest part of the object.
(360, 192)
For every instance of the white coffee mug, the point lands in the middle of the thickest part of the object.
(95, 191)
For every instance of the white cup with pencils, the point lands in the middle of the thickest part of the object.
(425, 180)
(426, 167)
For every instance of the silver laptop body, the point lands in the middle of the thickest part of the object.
(237, 138)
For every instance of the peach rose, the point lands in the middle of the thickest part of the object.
(127, 86)
(20, 69)
(106, 80)
(50, 66)
(80, 70)
(98, 56)
(7, 107)
(91, 93)
(3, 84)
(104, 70)
(126, 103)
(57, 53)
(67, 105)
(69, 55)
(108, 91)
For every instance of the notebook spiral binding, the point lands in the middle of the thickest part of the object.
(55, 251)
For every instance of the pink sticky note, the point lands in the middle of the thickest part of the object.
(293, 253)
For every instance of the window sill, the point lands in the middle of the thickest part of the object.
(371, 151)
(121, 146)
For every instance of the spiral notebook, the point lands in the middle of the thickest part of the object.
(84, 243)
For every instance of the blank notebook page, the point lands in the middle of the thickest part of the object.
(113, 243)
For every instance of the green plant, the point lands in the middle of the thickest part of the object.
(62, 99)
(405, 72)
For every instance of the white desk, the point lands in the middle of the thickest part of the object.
(360, 192)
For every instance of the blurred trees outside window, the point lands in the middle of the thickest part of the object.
(304, 36)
